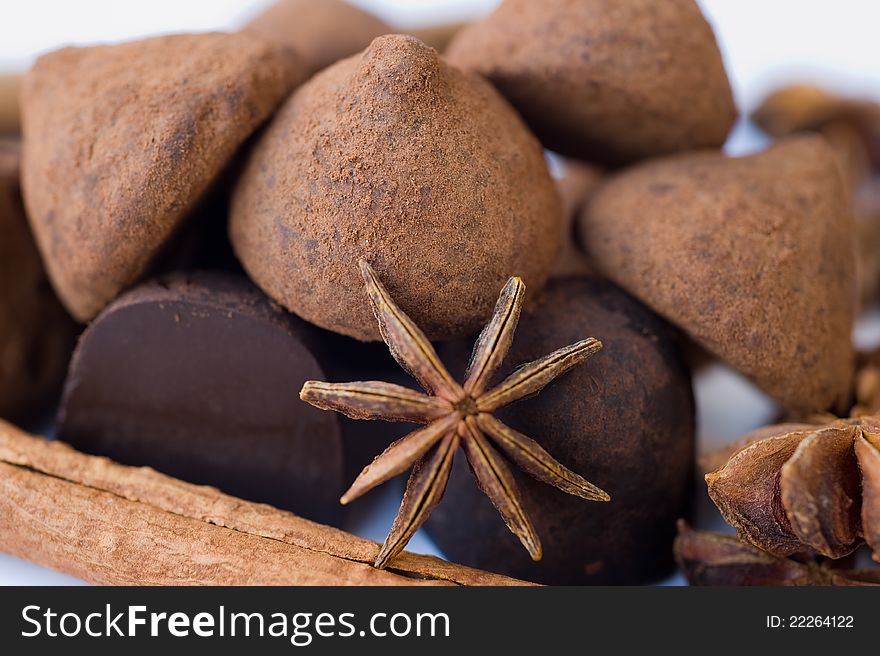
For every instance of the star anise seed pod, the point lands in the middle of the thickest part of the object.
(454, 416)
(798, 488)
(715, 559)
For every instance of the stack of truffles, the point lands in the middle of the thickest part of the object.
(236, 221)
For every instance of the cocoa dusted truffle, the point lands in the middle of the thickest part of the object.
(577, 182)
(396, 158)
(752, 256)
(624, 420)
(36, 334)
(121, 141)
(197, 376)
(611, 82)
(321, 32)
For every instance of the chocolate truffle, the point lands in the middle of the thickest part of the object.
(10, 119)
(396, 158)
(121, 141)
(866, 209)
(624, 420)
(610, 82)
(753, 257)
(438, 35)
(852, 128)
(575, 185)
(197, 376)
(320, 31)
(36, 334)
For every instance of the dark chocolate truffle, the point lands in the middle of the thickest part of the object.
(397, 158)
(606, 81)
(197, 376)
(624, 420)
(36, 334)
(121, 141)
(320, 31)
(752, 256)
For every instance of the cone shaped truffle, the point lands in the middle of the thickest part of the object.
(321, 31)
(397, 158)
(606, 81)
(120, 142)
(753, 257)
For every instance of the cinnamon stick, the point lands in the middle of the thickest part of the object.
(112, 524)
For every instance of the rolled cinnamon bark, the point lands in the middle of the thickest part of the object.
(111, 524)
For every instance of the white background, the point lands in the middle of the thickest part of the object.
(765, 43)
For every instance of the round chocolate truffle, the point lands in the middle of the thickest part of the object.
(121, 141)
(610, 82)
(197, 376)
(397, 158)
(752, 256)
(36, 334)
(624, 420)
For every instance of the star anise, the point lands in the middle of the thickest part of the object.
(454, 416)
(714, 559)
(797, 488)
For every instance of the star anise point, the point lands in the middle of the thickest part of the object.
(453, 416)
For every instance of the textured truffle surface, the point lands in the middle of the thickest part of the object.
(321, 32)
(120, 142)
(575, 185)
(397, 158)
(624, 420)
(36, 334)
(606, 80)
(753, 257)
(197, 376)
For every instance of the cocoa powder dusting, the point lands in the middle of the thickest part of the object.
(397, 158)
(120, 142)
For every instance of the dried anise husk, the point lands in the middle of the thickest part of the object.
(454, 416)
(794, 488)
(715, 559)
(804, 107)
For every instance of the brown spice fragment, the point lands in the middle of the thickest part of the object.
(868, 453)
(716, 559)
(110, 524)
(802, 107)
(820, 491)
(812, 490)
(746, 491)
(709, 462)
